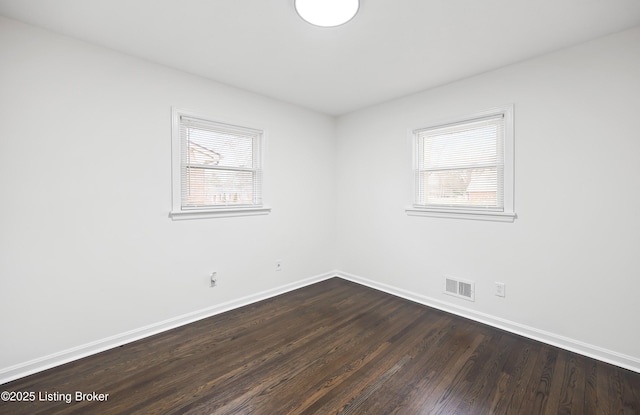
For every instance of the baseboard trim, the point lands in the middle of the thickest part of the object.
(576, 346)
(65, 356)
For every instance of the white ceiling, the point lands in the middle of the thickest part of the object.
(390, 49)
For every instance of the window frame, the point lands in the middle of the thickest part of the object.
(507, 213)
(178, 212)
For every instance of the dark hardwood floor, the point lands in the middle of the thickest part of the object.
(333, 348)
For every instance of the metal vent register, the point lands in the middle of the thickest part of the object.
(460, 288)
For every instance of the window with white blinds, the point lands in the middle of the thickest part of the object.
(466, 166)
(219, 167)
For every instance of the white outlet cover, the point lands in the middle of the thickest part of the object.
(500, 289)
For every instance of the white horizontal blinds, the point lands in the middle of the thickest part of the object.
(220, 164)
(461, 164)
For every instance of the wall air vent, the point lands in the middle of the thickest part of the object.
(460, 288)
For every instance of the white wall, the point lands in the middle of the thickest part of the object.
(87, 249)
(570, 260)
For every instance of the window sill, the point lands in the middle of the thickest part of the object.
(462, 214)
(219, 213)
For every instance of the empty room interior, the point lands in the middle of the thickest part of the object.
(221, 207)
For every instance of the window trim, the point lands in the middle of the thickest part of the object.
(177, 212)
(507, 214)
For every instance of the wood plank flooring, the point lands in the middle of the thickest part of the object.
(333, 348)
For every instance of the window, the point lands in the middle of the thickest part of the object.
(464, 168)
(217, 168)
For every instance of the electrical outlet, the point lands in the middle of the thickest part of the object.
(213, 279)
(500, 289)
(279, 265)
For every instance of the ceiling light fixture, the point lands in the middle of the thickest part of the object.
(327, 13)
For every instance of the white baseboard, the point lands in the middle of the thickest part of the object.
(56, 359)
(576, 346)
(65, 356)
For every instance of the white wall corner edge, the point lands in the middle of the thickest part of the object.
(40, 364)
(572, 345)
